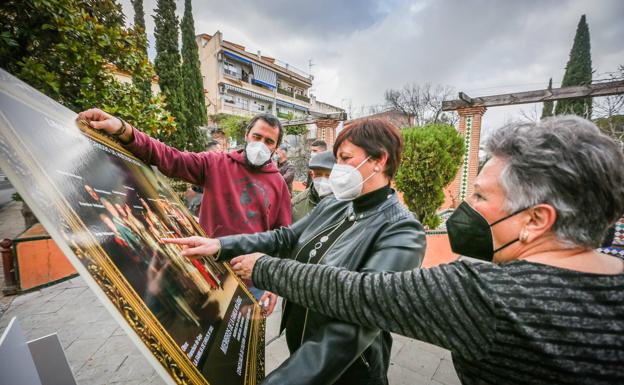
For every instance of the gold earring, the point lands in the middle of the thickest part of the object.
(524, 235)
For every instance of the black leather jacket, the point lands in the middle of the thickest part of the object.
(385, 238)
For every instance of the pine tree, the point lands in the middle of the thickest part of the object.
(142, 82)
(167, 65)
(578, 72)
(193, 81)
(548, 105)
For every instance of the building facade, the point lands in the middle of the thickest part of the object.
(242, 83)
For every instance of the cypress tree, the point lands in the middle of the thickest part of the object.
(548, 105)
(142, 82)
(578, 72)
(193, 81)
(167, 65)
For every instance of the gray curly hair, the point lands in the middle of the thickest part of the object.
(566, 162)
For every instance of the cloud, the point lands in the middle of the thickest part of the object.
(361, 48)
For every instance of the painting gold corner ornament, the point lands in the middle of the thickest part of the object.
(194, 320)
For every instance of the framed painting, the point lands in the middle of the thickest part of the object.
(194, 320)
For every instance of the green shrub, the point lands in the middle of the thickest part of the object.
(431, 158)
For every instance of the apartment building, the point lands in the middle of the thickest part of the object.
(243, 83)
(126, 77)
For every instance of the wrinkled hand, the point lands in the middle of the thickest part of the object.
(243, 265)
(196, 247)
(268, 302)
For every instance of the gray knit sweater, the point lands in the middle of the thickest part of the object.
(521, 322)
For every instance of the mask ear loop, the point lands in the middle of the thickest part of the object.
(364, 161)
(502, 219)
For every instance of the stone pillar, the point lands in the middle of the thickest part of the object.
(470, 128)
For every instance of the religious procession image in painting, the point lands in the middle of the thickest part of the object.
(110, 212)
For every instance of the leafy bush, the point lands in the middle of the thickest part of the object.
(233, 126)
(431, 158)
(65, 49)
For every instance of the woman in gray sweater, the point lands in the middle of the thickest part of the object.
(549, 309)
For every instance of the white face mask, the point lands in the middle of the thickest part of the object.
(322, 186)
(257, 153)
(346, 181)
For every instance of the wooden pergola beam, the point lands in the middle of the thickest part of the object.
(295, 122)
(598, 89)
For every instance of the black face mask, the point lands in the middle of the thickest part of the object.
(471, 235)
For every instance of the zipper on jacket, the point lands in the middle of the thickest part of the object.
(305, 322)
(364, 360)
(285, 303)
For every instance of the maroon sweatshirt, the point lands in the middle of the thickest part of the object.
(237, 199)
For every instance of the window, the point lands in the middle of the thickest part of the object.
(229, 99)
(231, 69)
(242, 102)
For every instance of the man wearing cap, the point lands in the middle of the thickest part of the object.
(284, 166)
(320, 166)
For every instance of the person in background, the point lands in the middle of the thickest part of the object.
(213, 145)
(243, 191)
(547, 308)
(362, 227)
(286, 168)
(320, 166)
(318, 146)
(315, 147)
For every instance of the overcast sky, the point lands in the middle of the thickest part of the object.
(361, 48)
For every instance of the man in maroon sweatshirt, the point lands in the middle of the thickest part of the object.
(243, 190)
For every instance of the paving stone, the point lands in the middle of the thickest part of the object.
(276, 353)
(273, 322)
(25, 298)
(398, 342)
(134, 368)
(446, 373)
(399, 375)
(417, 360)
(434, 349)
(80, 351)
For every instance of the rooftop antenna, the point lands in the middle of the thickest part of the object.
(310, 65)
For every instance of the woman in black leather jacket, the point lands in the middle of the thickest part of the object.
(362, 228)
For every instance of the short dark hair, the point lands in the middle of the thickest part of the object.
(319, 143)
(375, 136)
(269, 119)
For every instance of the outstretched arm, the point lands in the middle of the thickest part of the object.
(170, 161)
(448, 306)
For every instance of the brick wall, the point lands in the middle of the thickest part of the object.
(328, 128)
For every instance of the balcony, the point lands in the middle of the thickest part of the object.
(303, 97)
(233, 74)
(285, 92)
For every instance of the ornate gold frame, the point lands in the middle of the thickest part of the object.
(93, 261)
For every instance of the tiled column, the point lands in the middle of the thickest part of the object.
(470, 128)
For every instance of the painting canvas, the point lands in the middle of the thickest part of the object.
(193, 319)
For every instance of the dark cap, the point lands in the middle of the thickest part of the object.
(324, 160)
